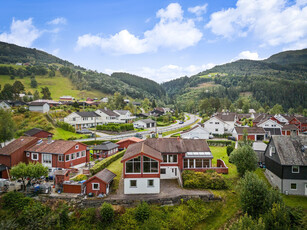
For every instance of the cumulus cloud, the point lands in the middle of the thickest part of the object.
(172, 31)
(57, 21)
(22, 33)
(248, 55)
(198, 10)
(274, 22)
(166, 72)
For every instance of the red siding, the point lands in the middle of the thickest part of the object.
(69, 188)
(249, 137)
(102, 186)
(126, 143)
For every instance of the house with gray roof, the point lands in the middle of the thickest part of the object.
(286, 164)
(125, 115)
(83, 120)
(105, 149)
(144, 124)
(109, 116)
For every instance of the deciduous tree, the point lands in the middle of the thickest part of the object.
(7, 126)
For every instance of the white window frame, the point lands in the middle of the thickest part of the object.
(35, 154)
(78, 153)
(298, 168)
(27, 154)
(77, 147)
(83, 153)
(73, 156)
(93, 184)
(61, 158)
(66, 157)
(153, 183)
(295, 186)
(164, 171)
(136, 184)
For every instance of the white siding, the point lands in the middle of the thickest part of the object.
(215, 126)
(170, 172)
(197, 133)
(142, 186)
(43, 108)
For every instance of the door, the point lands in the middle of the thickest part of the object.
(47, 160)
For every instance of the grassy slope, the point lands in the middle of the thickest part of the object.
(117, 168)
(65, 135)
(58, 86)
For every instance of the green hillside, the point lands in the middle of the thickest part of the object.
(280, 79)
(70, 79)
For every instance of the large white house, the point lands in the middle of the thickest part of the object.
(125, 115)
(229, 118)
(196, 132)
(39, 106)
(81, 120)
(271, 127)
(215, 125)
(108, 116)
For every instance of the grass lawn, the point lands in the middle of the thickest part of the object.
(188, 117)
(162, 124)
(65, 135)
(117, 168)
(58, 86)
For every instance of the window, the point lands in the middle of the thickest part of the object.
(163, 171)
(150, 183)
(293, 186)
(77, 147)
(67, 157)
(133, 184)
(95, 186)
(47, 158)
(74, 119)
(83, 153)
(61, 158)
(73, 156)
(150, 165)
(78, 154)
(35, 156)
(217, 123)
(216, 130)
(211, 122)
(170, 158)
(133, 165)
(295, 169)
(196, 163)
(27, 154)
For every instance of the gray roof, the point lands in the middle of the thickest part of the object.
(259, 146)
(108, 145)
(37, 103)
(121, 112)
(147, 121)
(227, 116)
(87, 114)
(109, 112)
(34, 131)
(250, 130)
(289, 149)
(273, 131)
(105, 175)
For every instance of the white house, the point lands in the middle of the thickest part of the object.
(125, 115)
(282, 118)
(4, 105)
(39, 106)
(215, 125)
(229, 118)
(271, 127)
(104, 100)
(81, 120)
(196, 132)
(108, 116)
(146, 123)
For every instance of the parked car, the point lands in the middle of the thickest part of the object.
(138, 135)
(231, 138)
(84, 131)
(211, 136)
(181, 122)
(305, 133)
(8, 186)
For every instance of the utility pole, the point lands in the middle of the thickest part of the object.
(95, 129)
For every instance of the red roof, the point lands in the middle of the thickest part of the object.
(138, 148)
(17, 144)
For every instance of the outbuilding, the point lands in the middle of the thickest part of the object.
(100, 183)
(39, 106)
(123, 144)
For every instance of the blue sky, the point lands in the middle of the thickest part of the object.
(160, 40)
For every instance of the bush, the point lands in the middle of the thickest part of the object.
(115, 127)
(203, 180)
(142, 212)
(219, 142)
(107, 212)
(66, 126)
(80, 177)
(15, 201)
(247, 222)
(106, 162)
(229, 149)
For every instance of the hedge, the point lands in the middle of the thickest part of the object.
(219, 142)
(222, 135)
(106, 162)
(115, 127)
(66, 126)
(203, 180)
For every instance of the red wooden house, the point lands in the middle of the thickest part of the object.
(123, 144)
(100, 182)
(300, 123)
(36, 132)
(14, 153)
(288, 130)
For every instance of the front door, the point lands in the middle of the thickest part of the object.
(47, 160)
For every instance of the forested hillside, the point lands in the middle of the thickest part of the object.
(280, 79)
(41, 66)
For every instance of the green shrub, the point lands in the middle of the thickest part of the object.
(15, 201)
(66, 126)
(229, 149)
(247, 222)
(115, 127)
(219, 142)
(203, 180)
(107, 212)
(106, 162)
(142, 212)
(80, 177)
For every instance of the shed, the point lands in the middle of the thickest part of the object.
(100, 182)
(123, 144)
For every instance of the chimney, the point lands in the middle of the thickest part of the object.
(178, 138)
(49, 139)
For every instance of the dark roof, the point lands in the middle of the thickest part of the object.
(109, 112)
(55, 147)
(140, 147)
(17, 144)
(303, 120)
(289, 127)
(262, 117)
(147, 121)
(87, 114)
(273, 131)
(37, 103)
(227, 116)
(177, 145)
(108, 145)
(60, 172)
(105, 175)
(289, 149)
(250, 130)
(34, 131)
(121, 112)
(242, 115)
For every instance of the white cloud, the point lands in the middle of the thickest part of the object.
(274, 22)
(56, 52)
(248, 55)
(198, 10)
(165, 73)
(22, 33)
(57, 21)
(172, 31)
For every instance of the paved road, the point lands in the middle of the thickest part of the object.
(175, 126)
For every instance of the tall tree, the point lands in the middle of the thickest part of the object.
(33, 83)
(18, 87)
(7, 126)
(7, 92)
(119, 101)
(36, 95)
(46, 93)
